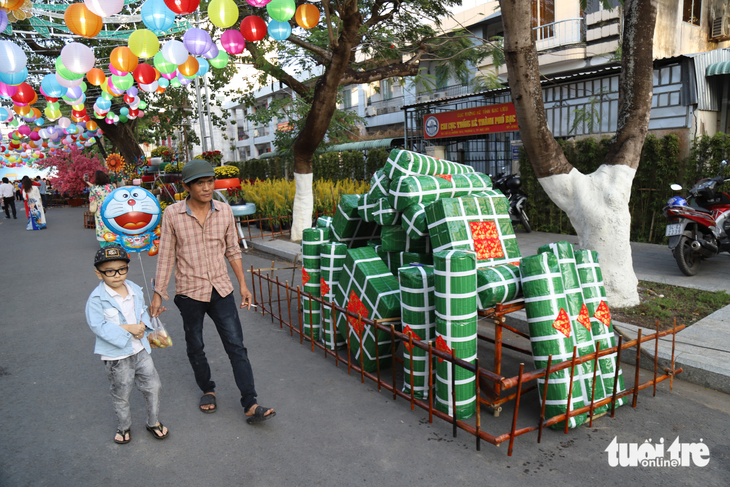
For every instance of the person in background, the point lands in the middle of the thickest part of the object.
(42, 190)
(7, 193)
(98, 191)
(33, 205)
(18, 188)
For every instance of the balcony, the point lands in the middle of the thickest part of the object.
(557, 34)
(385, 106)
(261, 131)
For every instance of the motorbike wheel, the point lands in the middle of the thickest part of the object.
(524, 220)
(687, 260)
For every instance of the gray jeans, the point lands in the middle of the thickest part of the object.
(124, 373)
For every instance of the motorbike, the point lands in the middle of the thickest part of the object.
(698, 229)
(511, 186)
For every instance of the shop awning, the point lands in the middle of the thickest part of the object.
(715, 69)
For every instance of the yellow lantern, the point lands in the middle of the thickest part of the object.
(144, 43)
(22, 111)
(123, 59)
(91, 125)
(82, 21)
(307, 16)
(189, 67)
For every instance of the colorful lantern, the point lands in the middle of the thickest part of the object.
(104, 8)
(14, 79)
(91, 125)
(51, 87)
(233, 42)
(258, 3)
(223, 13)
(212, 53)
(77, 58)
(174, 51)
(64, 72)
(123, 59)
(95, 76)
(253, 28)
(144, 74)
(163, 65)
(182, 7)
(220, 61)
(307, 16)
(3, 20)
(281, 10)
(11, 4)
(82, 21)
(6, 91)
(68, 83)
(204, 67)
(25, 94)
(144, 43)
(156, 16)
(279, 30)
(197, 41)
(12, 58)
(189, 67)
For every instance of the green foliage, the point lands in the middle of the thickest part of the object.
(263, 169)
(376, 159)
(348, 165)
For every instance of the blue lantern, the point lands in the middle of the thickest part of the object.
(51, 87)
(203, 66)
(39, 122)
(163, 83)
(103, 103)
(156, 16)
(279, 30)
(14, 78)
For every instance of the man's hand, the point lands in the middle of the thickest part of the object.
(137, 329)
(245, 298)
(156, 307)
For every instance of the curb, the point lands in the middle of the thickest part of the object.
(286, 251)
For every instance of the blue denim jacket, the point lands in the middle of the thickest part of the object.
(104, 316)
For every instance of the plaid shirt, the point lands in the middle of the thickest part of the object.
(196, 251)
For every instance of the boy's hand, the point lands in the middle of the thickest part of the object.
(137, 330)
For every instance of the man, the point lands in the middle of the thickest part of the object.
(42, 191)
(196, 235)
(7, 194)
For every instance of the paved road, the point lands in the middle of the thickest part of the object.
(57, 420)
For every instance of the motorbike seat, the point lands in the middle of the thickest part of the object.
(699, 208)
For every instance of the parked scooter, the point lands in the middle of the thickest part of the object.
(698, 229)
(511, 186)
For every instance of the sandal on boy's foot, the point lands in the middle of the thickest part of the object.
(208, 398)
(124, 434)
(158, 428)
(259, 415)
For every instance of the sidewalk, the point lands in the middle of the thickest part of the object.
(702, 350)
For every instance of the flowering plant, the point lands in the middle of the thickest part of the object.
(213, 156)
(225, 172)
(235, 196)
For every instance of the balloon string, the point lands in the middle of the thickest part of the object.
(149, 297)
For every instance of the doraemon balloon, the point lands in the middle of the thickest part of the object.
(133, 214)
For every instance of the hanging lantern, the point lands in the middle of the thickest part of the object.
(77, 58)
(307, 16)
(197, 41)
(104, 8)
(144, 74)
(163, 83)
(170, 76)
(95, 76)
(12, 58)
(11, 4)
(174, 51)
(189, 67)
(163, 65)
(14, 79)
(91, 125)
(204, 67)
(24, 95)
(182, 7)
(253, 28)
(82, 21)
(220, 61)
(258, 3)
(123, 59)
(279, 30)
(51, 87)
(6, 91)
(212, 53)
(281, 10)
(64, 72)
(144, 43)
(233, 42)
(22, 110)
(3, 20)
(156, 16)
(223, 13)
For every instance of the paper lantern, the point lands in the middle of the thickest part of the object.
(14, 79)
(77, 58)
(220, 61)
(203, 66)
(156, 16)
(51, 87)
(182, 7)
(24, 95)
(223, 13)
(123, 59)
(11, 4)
(189, 67)
(258, 3)
(253, 28)
(68, 83)
(21, 110)
(281, 10)
(279, 30)
(169, 76)
(144, 74)
(64, 72)
(144, 43)
(307, 16)
(163, 65)
(91, 125)
(197, 41)
(6, 91)
(212, 53)
(104, 8)
(82, 21)
(150, 87)
(64, 123)
(95, 76)
(174, 51)
(233, 42)
(133, 91)
(12, 58)
(3, 20)
(163, 83)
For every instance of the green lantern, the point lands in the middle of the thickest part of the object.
(65, 73)
(220, 61)
(163, 65)
(123, 83)
(281, 10)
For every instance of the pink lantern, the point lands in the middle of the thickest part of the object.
(8, 90)
(169, 75)
(258, 3)
(116, 71)
(233, 42)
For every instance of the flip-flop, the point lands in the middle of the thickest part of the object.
(154, 429)
(208, 399)
(260, 415)
(123, 434)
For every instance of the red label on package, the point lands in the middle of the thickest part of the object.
(354, 305)
(603, 314)
(305, 276)
(584, 318)
(486, 240)
(562, 323)
(441, 345)
(325, 288)
(408, 331)
(445, 176)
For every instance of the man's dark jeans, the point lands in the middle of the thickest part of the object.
(224, 313)
(9, 204)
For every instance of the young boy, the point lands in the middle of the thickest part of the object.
(118, 317)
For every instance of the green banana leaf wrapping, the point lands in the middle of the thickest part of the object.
(332, 259)
(367, 206)
(384, 214)
(414, 221)
(396, 260)
(408, 190)
(479, 224)
(348, 227)
(403, 162)
(455, 283)
(324, 222)
(550, 330)
(497, 284)
(379, 185)
(367, 287)
(312, 239)
(579, 320)
(594, 295)
(418, 318)
(395, 239)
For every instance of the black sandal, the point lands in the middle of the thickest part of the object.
(260, 415)
(208, 398)
(123, 434)
(155, 429)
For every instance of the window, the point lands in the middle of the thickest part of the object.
(543, 13)
(386, 89)
(347, 97)
(691, 11)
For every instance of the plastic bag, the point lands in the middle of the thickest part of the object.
(159, 338)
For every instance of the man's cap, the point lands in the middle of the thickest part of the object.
(197, 168)
(110, 253)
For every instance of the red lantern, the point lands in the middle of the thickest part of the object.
(79, 113)
(25, 94)
(253, 28)
(144, 74)
(182, 7)
(51, 100)
(132, 113)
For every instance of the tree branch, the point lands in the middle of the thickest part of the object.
(322, 53)
(262, 64)
(333, 39)
(408, 68)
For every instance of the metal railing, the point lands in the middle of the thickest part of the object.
(261, 131)
(381, 107)
(556, 34)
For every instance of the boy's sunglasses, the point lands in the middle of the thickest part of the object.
(114, 272)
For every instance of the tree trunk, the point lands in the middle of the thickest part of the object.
(123, 137)
(596, 204)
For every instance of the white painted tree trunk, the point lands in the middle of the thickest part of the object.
(598, 207)
(303, 205)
